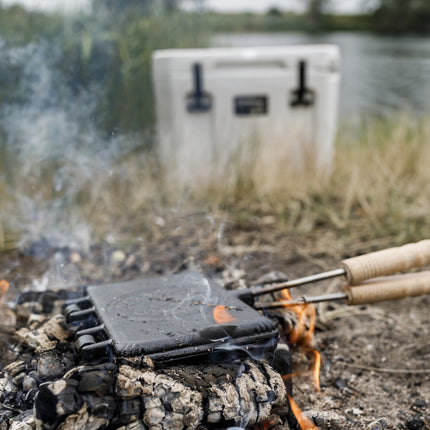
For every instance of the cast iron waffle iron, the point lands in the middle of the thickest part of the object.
(170, 319)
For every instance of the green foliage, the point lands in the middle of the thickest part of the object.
(274, 11)
(402, 16)
(249, 22)
(116, 50)
(316, 13)
(18, 26)
(106, 53)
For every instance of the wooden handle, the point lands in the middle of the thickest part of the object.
(387, 262)
(389, 288)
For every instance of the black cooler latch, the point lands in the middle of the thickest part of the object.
(198, 100)
(302, 96)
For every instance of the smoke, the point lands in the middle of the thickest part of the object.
(55, 159)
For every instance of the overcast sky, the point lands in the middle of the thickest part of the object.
(226, 5)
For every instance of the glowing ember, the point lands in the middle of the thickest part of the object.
(304, 422)
(4, 286)
(222, 316)
(266, 425)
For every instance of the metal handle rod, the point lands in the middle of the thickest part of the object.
(373, 291)
(298, 282)
(335, 297)
(364, 267)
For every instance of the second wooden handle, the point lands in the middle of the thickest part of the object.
(387, 262)
(389, 288)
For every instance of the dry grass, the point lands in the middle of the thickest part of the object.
(379, 183)
(379, 186)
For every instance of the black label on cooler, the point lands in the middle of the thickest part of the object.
(251, 105)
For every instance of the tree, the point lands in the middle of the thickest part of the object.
(137, 5)
(274, 11)
(401, 16)
(316, 10)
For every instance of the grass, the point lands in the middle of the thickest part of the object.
(379, 187)
(379, 184)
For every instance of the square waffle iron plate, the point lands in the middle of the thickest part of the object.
(172, 319)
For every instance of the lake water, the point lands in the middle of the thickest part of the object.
(379, 74)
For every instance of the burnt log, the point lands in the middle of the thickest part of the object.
(142, 397)
(128, 393)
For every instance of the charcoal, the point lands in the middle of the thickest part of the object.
(130, 393)
(102, 407)
(15, 368)
(282, 359)
(81, 420)
(415, 422)
(327, 419)
(50, 366)
(230, 391)
(9, 352)
(5, 416)
(129, 410)
(154, 416)
(25, 310)
(7, 388)
(380, 424)
(419, 404)
(340, 383)
(24, 421)
(35, 339)
(44, 337)
(135, 425)
(49, 301)
(236, 393)
(55, 401)
(273, 422)
(81, 372)
(30, 381)
(98, 382)
(28, 398)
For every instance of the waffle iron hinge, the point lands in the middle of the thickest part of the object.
(92, 340)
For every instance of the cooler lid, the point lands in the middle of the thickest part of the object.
(317, 57)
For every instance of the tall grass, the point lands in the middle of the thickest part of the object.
(379, 183)
(379, 186)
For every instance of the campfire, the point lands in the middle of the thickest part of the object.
(173, 352)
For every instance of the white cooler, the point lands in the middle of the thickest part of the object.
(215, 107)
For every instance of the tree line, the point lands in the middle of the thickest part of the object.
(402, 16)
(392, 16)
(388, 16)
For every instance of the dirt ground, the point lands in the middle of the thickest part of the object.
(375, 371)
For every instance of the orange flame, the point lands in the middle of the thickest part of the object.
(304, 422)
(4, 286)
(222, 316)
(303, 333)
(317, 367)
